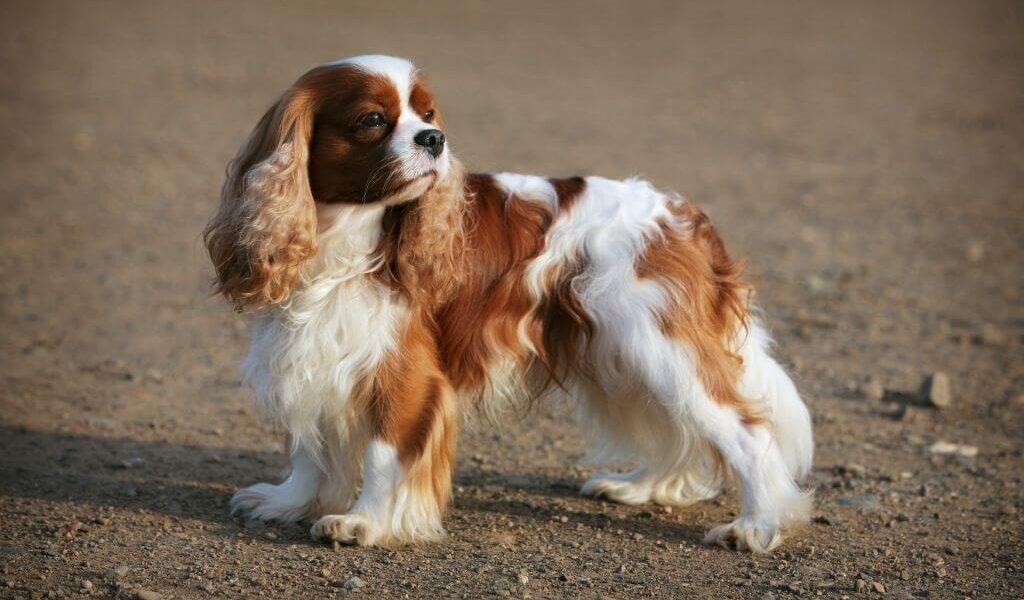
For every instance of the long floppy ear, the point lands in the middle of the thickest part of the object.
(265, 227)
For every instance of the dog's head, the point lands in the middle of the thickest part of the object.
(363, 130)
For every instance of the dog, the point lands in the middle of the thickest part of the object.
(394, 293)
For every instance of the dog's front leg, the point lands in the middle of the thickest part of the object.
(407, 464)
(291, 500)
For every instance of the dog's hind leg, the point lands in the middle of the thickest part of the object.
(673, 465)
(745, 440)
(695, 423)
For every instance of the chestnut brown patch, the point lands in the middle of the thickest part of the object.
(503, 235)
(462, 254)
(493, 306)
(421, 100)
(408, 391)
(413, 407)
(348, 161)
(568, 189)
(708, 300)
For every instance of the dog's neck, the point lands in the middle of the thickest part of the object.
(416, 247)
(422, 242)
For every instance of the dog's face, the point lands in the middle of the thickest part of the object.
(376, 132)
(362, 131)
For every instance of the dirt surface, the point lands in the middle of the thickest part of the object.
(866, 160)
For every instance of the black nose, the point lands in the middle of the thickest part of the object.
(432, 141)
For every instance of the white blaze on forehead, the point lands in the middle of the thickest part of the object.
(398, 70)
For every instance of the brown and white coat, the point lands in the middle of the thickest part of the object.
(394, 292)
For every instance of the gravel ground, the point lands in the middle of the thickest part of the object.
(866, 160)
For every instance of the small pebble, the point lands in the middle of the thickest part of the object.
(860, 501)
(873, 390)
(964, 450)
(148, 595)
(354, 583)
(853, 470)
(117, 572)
(936, 390)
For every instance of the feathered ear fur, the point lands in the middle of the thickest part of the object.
(424, 240)
(265, 228)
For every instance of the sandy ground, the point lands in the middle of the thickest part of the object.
(867, 161)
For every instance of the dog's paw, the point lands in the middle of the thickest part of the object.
(251, 501)
(747, 534)
(266, 502)
(346, 529)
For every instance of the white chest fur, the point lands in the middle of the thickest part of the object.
(309, 354)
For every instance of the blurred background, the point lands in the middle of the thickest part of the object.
(865, 158)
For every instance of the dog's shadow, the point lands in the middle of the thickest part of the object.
(179, 480)
(557, 503)
(192, 481)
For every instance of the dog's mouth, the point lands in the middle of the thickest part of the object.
(425, 180)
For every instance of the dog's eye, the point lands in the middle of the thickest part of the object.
(373, 120)
(428, 116)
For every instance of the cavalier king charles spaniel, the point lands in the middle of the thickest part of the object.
(394, 292)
